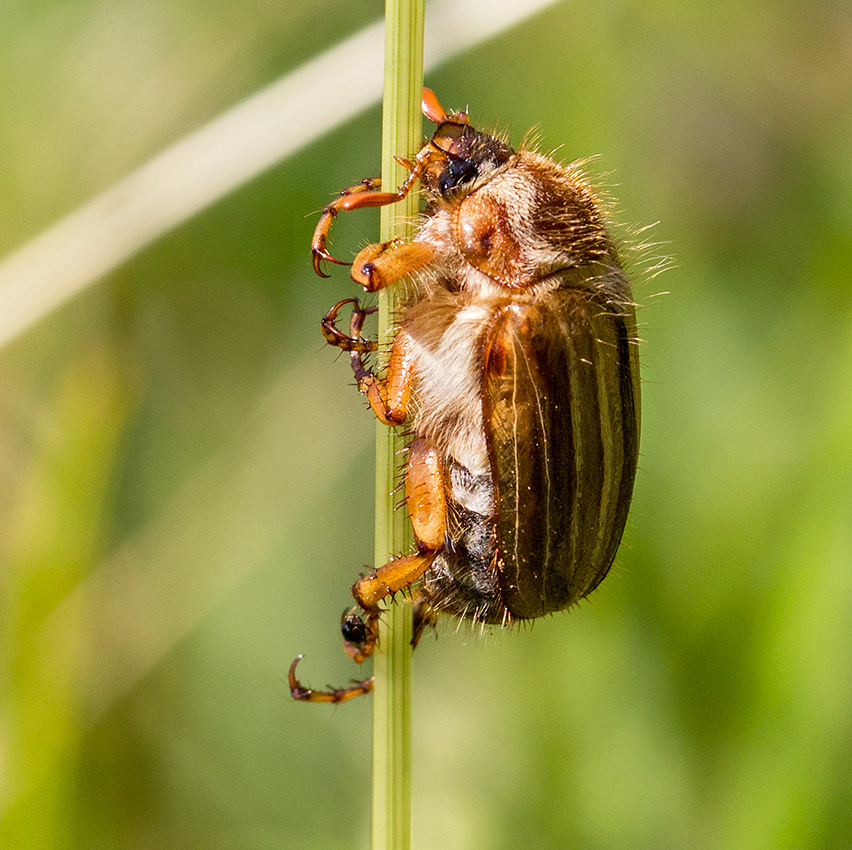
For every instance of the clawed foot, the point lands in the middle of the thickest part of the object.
(334, 695)
(352, 341)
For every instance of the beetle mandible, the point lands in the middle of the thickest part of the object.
(515, 362)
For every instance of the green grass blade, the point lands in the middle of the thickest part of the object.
(401, 133)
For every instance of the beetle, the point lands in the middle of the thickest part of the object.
(515, 364)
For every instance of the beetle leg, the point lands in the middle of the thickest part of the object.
(424, 616)
(367, 194)
(354, 341)
(427, 506)
(425, 494)
(360, 629)
(381, 265)
(300, 692)
(384, 264)
(426, 498)
(319, 250)
(388, 398)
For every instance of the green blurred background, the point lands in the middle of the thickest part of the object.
(186, 470)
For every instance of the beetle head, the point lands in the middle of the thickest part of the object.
(461, 156)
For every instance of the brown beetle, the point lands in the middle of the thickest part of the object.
(515, 360)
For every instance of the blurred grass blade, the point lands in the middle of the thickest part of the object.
(209, 163)
(125, 616)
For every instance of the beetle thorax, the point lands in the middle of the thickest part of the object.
(529, 221)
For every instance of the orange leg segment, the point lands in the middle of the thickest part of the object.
(360, 633)
(384, 264)
(425, 494)
(389, 398)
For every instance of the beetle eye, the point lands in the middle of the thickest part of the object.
(457, 172)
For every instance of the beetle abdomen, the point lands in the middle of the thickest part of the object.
(462, 579)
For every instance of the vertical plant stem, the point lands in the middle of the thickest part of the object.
(401, 134)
